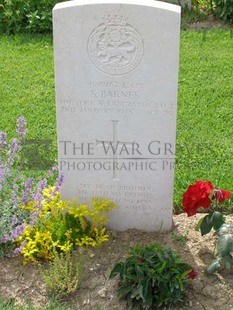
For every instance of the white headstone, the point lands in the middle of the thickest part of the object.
(116, 71)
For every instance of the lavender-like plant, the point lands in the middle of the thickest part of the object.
(15, 189)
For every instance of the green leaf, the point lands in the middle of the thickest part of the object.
(218, 219)
(135, 292)
(206, 224)
(214, 266)
(164, 264)
(147, 293)
(130, 302)
(124, 291)
(140, 292)
(117, 269)
(139, 272)
(225, 245)
(197, 227)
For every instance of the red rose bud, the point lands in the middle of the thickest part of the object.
(221, 195)
(192, 274)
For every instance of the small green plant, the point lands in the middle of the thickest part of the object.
(63, 275)
(224, 10)
(180, 239)
(152, 276)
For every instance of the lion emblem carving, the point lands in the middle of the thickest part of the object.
(115, 47)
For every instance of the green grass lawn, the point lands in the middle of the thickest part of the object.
(205, 103)
(205, 110)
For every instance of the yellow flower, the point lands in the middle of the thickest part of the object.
(61, 225)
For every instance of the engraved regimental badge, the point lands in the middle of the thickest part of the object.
(115, 46)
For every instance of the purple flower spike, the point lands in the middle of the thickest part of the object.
(27, 191)
(14, 145)
(38, 197)
(17, 251)
(58, 184)
(14, 194)
(2, 175)
(21, 129)
(60, 180)
(14, 220)
(42, 185)
(2, 140)
(18, 231)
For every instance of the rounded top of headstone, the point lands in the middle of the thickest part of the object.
(150, 3)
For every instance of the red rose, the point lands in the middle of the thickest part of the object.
(197, 196)
(221, 195)
(192, 274)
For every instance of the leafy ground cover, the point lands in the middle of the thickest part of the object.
(205, 103)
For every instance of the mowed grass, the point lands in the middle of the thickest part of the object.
(205, 102)
(205, 110)
(27, 85)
